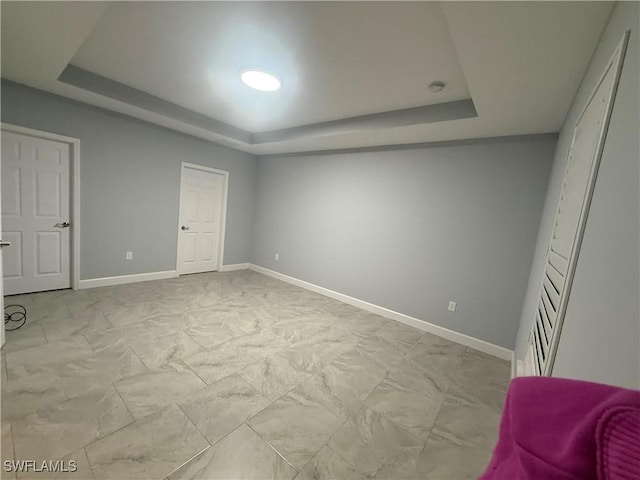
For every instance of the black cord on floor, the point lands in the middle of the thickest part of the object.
(15, 317)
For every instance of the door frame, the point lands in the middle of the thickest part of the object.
(74, 194)
(223, 211)
(615, 64)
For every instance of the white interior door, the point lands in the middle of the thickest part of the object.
(202, 204)
(35, 214)
(570, 221)
(2, 339)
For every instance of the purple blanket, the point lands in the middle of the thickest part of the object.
(559, 429)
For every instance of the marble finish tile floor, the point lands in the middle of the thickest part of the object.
(238, 375)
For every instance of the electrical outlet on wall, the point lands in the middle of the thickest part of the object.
(276, 257)
(452, 306)
(129, 256)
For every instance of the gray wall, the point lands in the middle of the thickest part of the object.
(130, 181)
(411, 229)
(601, 334)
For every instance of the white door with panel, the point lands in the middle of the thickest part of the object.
(2, 245)
(200, 234)
(570, 221)
(35, 214)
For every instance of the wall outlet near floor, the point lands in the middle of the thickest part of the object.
(129, 256)
(452, 306)
(276, 257)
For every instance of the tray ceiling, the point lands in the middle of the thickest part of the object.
(354, 74)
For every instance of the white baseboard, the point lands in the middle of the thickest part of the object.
(122, 279)
(233, 267)
(466, 340)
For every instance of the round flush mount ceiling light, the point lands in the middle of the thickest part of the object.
(260, 80)
(436, 87)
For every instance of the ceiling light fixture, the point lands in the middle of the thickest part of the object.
(260, 80)
(436, 87)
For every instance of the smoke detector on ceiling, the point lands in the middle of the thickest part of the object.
(436, 87)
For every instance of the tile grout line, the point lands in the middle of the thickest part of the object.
(189, 460)
(272, 447)
(89, 463)
(196, 374)
(135, 420)
(196, 428)
(276, 400)
(360, 406)
(113, 385)
(193, 424)
(451, 384)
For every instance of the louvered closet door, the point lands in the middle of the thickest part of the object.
(571, 216)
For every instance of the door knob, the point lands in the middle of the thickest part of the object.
(62, 225)
(184, 227)
(4, 244)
